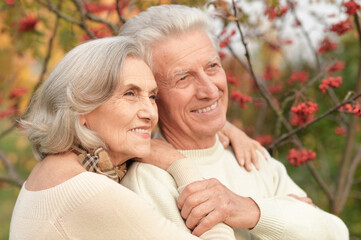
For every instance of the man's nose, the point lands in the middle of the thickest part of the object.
(206, 88)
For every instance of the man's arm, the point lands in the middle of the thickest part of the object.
(277, 217)
(161, 190)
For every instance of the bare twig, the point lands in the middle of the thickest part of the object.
(351, 173)
(303, 30)
(83, 17)
(118, 12)
(95, 18)
(12, 176)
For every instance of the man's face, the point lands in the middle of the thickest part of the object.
(192, 86)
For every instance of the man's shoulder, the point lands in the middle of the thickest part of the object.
(140, 175)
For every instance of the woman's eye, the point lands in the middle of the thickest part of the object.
(154, 96)
(129, 93)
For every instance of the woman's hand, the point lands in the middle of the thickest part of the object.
(162, 154)
(243, 146)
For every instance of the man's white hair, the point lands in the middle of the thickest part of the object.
(159, 22)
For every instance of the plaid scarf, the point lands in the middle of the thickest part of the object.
(99, 162)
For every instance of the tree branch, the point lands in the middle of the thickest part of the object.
(303, 30)
(265, 93)
(294, 131)
(12, 176)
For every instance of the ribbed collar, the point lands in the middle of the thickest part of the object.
(204, 156)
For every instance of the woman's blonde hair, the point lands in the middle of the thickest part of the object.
(82, 81)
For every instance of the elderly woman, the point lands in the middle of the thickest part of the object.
(95, 112)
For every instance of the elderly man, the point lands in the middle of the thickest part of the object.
(193, 97)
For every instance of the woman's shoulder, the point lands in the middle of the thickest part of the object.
(53, 170)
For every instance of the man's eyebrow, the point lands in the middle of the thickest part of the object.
(212, 59)
(181, 72)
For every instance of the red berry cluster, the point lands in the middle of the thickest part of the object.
(264, 140)
(298, 76)
(99, 31)
(277, 11)
(7, 112)
(327, 45)
(241, 98)
(337, 67)
(330, 82)
(341, 27)
(351, 7)
(341, 131)
(271, 72)
(98, 7)
(10, 2)
(222, 55)
(276, 88)
(227, 39)
(352, 109)
(303, 113)
(27, 24)
(231, 78)
(18, 92)
(297, 158)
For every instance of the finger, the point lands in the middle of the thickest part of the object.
(207, 223)
(240, 155)
(194, 201)
(223, 139)
(248, 163)
(198, 213)
(191, 189)
(262, 150)
(306, 200)
(254, 159)
(294, 196)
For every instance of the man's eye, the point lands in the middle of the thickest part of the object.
(213, 65)
(183, 78)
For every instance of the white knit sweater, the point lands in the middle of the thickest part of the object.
(282, 217)
(91, 206)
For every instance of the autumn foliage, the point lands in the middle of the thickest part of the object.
(292, 87)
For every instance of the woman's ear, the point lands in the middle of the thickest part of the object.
(82, 120)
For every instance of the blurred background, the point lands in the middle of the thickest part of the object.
(293, 69)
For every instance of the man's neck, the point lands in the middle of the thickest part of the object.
(186, 142)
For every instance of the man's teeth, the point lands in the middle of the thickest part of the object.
(207, 109)
(140, 130)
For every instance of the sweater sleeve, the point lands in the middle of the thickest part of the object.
(284, 217)
(161, 190)
(118, 213)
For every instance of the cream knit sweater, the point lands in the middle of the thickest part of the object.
(282, 217)
(91, 206)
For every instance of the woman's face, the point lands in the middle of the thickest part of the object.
(126, 120)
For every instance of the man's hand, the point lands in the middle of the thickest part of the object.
(205, 203)
(243, 146)
(162, 154)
